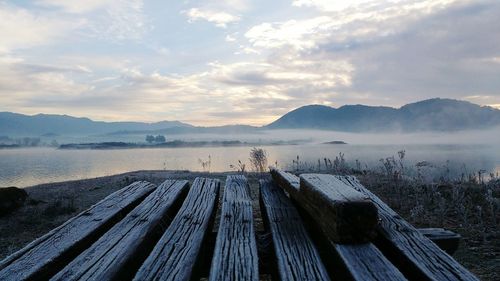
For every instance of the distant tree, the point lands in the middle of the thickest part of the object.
(160, 139)
(150, 138)
(26, 141)
(35, 142)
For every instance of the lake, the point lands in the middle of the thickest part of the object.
(30, 166)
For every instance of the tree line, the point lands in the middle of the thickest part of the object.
(155, 139)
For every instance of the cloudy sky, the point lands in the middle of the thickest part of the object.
(242, 61)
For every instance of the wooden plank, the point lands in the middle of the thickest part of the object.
(176, 254)
(46, 255)
(288, 181)
(344, 262)
(120, 252)
(344, 214)
(414, 254)
(445, 239)
(235, 256)
(296, 256)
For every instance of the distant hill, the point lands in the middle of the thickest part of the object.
(428, 115)
(15, 124)
(227, 129)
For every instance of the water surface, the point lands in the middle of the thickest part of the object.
(30, 166)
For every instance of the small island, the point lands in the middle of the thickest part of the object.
(335, 142)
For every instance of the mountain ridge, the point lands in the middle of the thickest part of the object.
(40, 124)
(427, 115)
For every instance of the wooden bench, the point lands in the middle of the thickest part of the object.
(295, 254)
(416, 256)
(361, 261)
(46, 255)
(120, 252)
(175, 255)
(149, 233)
(235, 255)
(445, 239)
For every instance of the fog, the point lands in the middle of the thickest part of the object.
(490, 136)
(470, 137)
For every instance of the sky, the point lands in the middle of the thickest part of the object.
(221, 62)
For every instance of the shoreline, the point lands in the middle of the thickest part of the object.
(171, 144)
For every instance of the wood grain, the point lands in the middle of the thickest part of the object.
(344, 214)
(445, 239)
(235, 255)
(414, 254)
(120, 252)
(289, 182)
(296, 256)
(43, 257)
(343, 261)
(176, 254)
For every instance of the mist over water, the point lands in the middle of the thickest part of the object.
(461, 152)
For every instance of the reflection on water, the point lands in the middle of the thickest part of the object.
(25, 167)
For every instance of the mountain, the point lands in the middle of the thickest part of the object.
(227, 129)
(46, 124)
(428, 115)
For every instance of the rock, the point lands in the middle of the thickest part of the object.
(11, 198)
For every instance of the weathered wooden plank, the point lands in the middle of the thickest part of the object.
(289, 182)
(120, 252)
(235, 255)
(46, 255)
(344, 262)
(175, 255)
(296, 256)
(344, 214)
(414, 254)
(446, 240)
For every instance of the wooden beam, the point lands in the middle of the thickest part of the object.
(296, 256)
(176, 254)
(46, 255)
(344, 214)
(414, 254)
(288, 181)
(344, 262)
(446, 240)
(235, 256)
(120, 252)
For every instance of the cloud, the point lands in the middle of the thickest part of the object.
(399, 51)
(76, 6)
(329, 52)
(329, 5)
(434, 56)
(23, 85)
(22, 29)
(298, 34)
(364, 23)
(220, 19)
(111, 19)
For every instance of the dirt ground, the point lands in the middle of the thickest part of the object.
(52, 204)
